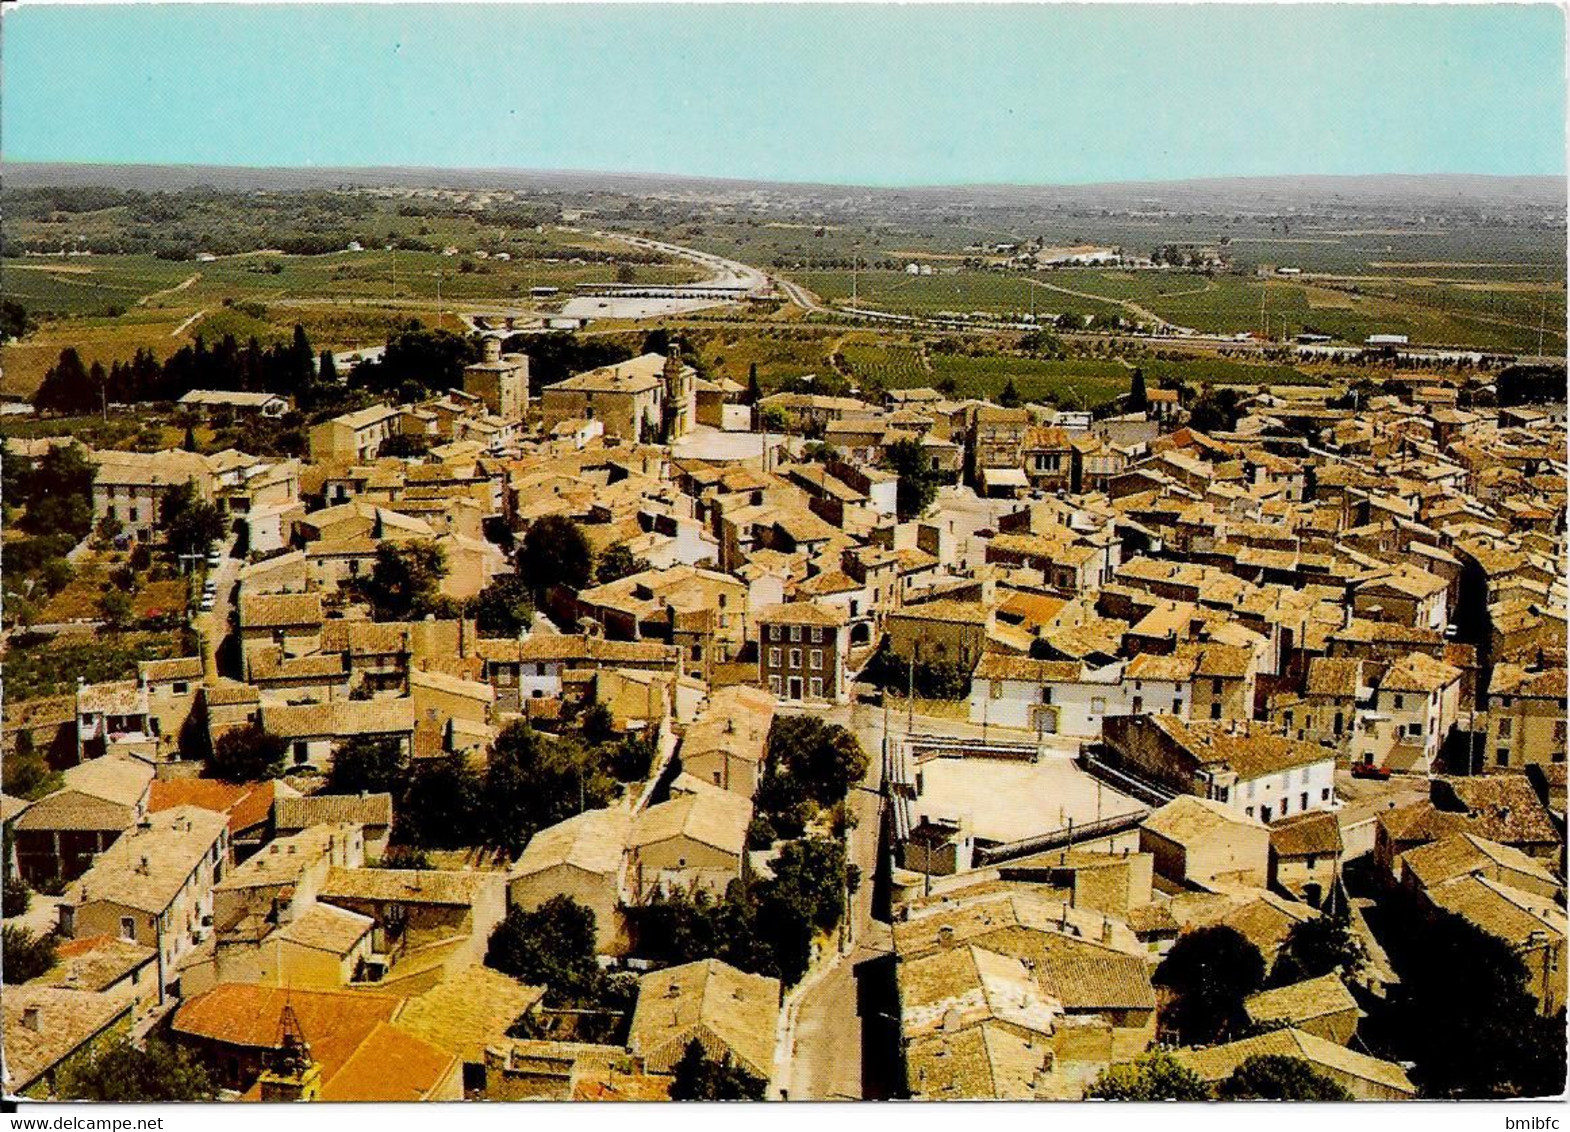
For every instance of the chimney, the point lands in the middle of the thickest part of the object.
(493, 350)
(30, 1019)
(144, 866)
(1106, 931)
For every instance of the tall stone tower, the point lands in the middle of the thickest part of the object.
(679, 396)
(501, 380)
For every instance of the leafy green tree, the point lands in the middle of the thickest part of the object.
(247, 754)
(698, 1077)
(810, 874)
(772, 418)
(67, 388)
(1211, 970)
(618, 562)
(404, 582)
(114, 606)
(1276, 1077)
(1153, 1077)
(942, 680)
(190, 524)
(26, 956)
(534, 780)
(122, 1074)
(824, 758)
(15, 322)
(1215, 410)
(631, 759)
(442, 807)
(58, 494)
(1009, 398)
(555, 552)
(917, 486)
(1317, 947)
(363, 764)
(1138, 398)
(551, 946)
(27, 773)
(1464, 1014)
(504, 608)
(404, 445)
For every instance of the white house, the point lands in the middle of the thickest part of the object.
(1065, 698)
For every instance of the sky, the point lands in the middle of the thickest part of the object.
(855, 94)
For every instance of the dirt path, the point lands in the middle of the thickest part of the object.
(187, 324)
(1127, 304)
(178, 287)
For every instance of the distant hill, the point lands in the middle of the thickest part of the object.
(1249, 193)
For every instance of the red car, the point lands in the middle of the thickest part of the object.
(1369, 770)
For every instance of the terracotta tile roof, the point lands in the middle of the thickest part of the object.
(706, 998)
(149, 864)
(1300, 1002)
(468, 1010)
(593, 841)
(1464, 854)
(266, 611)
(1419, 672)
(389, 1066)
(1501, 910)
(717, 818)
(66, 1020)
(334, 1023)
(1218, 1062)
(245, 804)
(327, 928)
(1333, 676)
(407, 886)
(1304, 835)
(1188, 819)
(802, 613)
(95, 963)
(292, 814)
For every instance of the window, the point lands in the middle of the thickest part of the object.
(1559, 731)
(795, 658)
(795, 632)
(1324, 795)
(817, 634)
(135, 514)
(1046, 695)
(816, 687)
(1177, 706)
(127, 928)
(1302, 800)
(1139, 705)
(774, 658)
(774, 632)
(1502, 756)
(1215, 711)
(1312, 861)
(1249, 810)
(774, 684)
(1215, 685)
(1098, 704)
(1398, 703)
(181, 687)
(1504, 728)
(817, 658)
(302, 752)
(697, 652)
(995, 689)
(1286, 804)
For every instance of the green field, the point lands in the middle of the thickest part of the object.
(1475, 314)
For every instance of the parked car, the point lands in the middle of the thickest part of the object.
(1369, 770)
(214, 559)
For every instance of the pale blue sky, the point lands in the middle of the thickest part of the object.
(854, 94)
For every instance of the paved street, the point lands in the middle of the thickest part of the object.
(825, 1061)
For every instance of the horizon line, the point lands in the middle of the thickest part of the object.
(91, 163)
